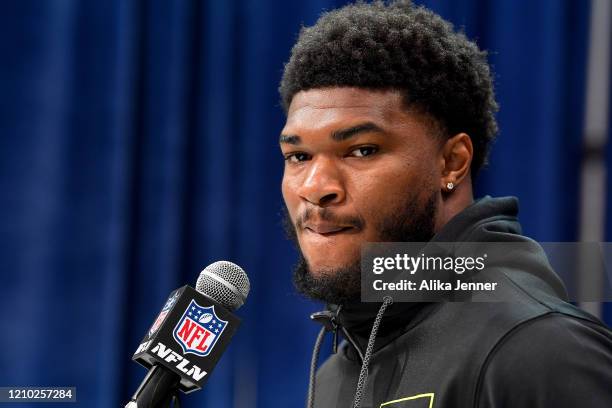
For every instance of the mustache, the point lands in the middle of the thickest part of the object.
(327, 215)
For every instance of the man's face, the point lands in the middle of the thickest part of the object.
(359, 167)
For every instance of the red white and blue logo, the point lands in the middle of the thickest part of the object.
(162, 315)
(198, 329)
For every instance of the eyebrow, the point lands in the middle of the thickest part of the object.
(343, 134)
(338, 135)
(290, 139)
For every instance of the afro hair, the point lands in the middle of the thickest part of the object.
(400, 46)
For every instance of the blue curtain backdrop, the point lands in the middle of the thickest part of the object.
(139, 144)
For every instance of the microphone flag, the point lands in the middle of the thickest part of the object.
(188, 337)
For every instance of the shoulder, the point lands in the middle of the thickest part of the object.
(552, 360)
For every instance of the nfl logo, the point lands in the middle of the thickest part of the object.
(198, 329)
(162, 316)
(160, 319)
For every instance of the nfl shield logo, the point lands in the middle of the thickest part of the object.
(160, 319)
(162, 316)
(198, 329)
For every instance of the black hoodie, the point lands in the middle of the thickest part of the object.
(536, 351)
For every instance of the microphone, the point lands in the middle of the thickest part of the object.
(189, 335)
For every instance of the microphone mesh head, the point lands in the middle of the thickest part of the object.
(224, 282)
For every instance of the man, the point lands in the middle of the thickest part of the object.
(390, 114)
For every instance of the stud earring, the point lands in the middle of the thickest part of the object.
(450, 185)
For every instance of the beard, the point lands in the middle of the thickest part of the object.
(410, 222)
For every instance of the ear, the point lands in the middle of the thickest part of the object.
(455, 161)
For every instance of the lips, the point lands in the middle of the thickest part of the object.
(324, 228)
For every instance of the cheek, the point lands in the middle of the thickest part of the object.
(380, 182)
(379, 193)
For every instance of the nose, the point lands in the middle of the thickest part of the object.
(323, 184)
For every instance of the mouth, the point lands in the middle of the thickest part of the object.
(329, 230)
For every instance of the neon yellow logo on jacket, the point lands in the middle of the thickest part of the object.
(416, 401)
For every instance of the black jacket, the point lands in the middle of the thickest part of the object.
(536, 351)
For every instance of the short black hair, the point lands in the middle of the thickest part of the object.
(400, 46)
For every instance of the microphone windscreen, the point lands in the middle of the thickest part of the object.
(224, 282)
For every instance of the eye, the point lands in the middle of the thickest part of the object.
(297, 157)
(364, 151)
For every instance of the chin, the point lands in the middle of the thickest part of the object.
(326, 268)
(322, 269)
(331, 257)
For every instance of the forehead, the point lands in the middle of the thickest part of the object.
(322, 107)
